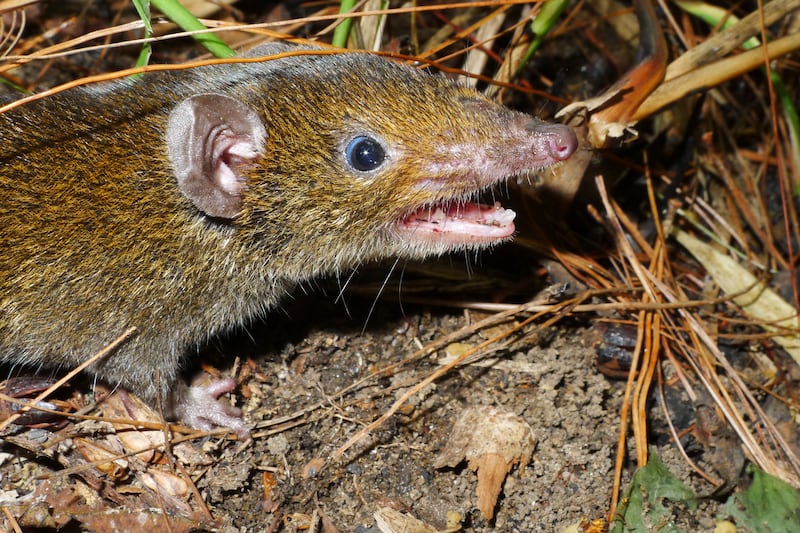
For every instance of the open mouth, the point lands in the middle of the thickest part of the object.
(456, 222)
(472, 169)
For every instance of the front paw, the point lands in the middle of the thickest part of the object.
(199, 407)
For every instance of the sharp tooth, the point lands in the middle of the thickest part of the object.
(438, 215)
(500, 217)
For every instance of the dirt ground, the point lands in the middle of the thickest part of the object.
(551, 384)
(290, 369)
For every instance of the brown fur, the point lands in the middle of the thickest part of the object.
(96, 237)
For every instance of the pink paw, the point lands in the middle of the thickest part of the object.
(199, 408)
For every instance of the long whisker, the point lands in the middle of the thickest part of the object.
(342, 288)
(378, 296)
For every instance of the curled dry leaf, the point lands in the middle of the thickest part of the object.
(108, 461)
(128, 407)
(25, 388)
(491, 441)
(167, 483)
(172, 489)
(298, 521)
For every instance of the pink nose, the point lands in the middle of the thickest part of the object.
(562, 140)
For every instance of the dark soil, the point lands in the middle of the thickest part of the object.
(292, 366)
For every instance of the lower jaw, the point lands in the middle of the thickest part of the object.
(417, 245)
(458, 225)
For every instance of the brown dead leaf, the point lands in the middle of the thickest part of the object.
(172, 489)
(299, 521)
(46, 508)
(122, 519)
(93, 451)
(492, 470)
(51, 509)
(491, 441)
(128, 407)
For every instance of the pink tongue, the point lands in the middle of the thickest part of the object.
(475, 221)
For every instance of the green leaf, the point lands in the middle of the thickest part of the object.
(769, 505)
(651, 500)
(542, 24)
(342, 31)
(178, 14)
(143, 9)
(713, 16)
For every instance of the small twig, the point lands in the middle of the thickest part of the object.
(55, 386)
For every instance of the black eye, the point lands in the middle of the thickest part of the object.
(364, 153)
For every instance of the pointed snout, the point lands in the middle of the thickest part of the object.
(561, 141)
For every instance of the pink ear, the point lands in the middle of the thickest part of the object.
(209, 138)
